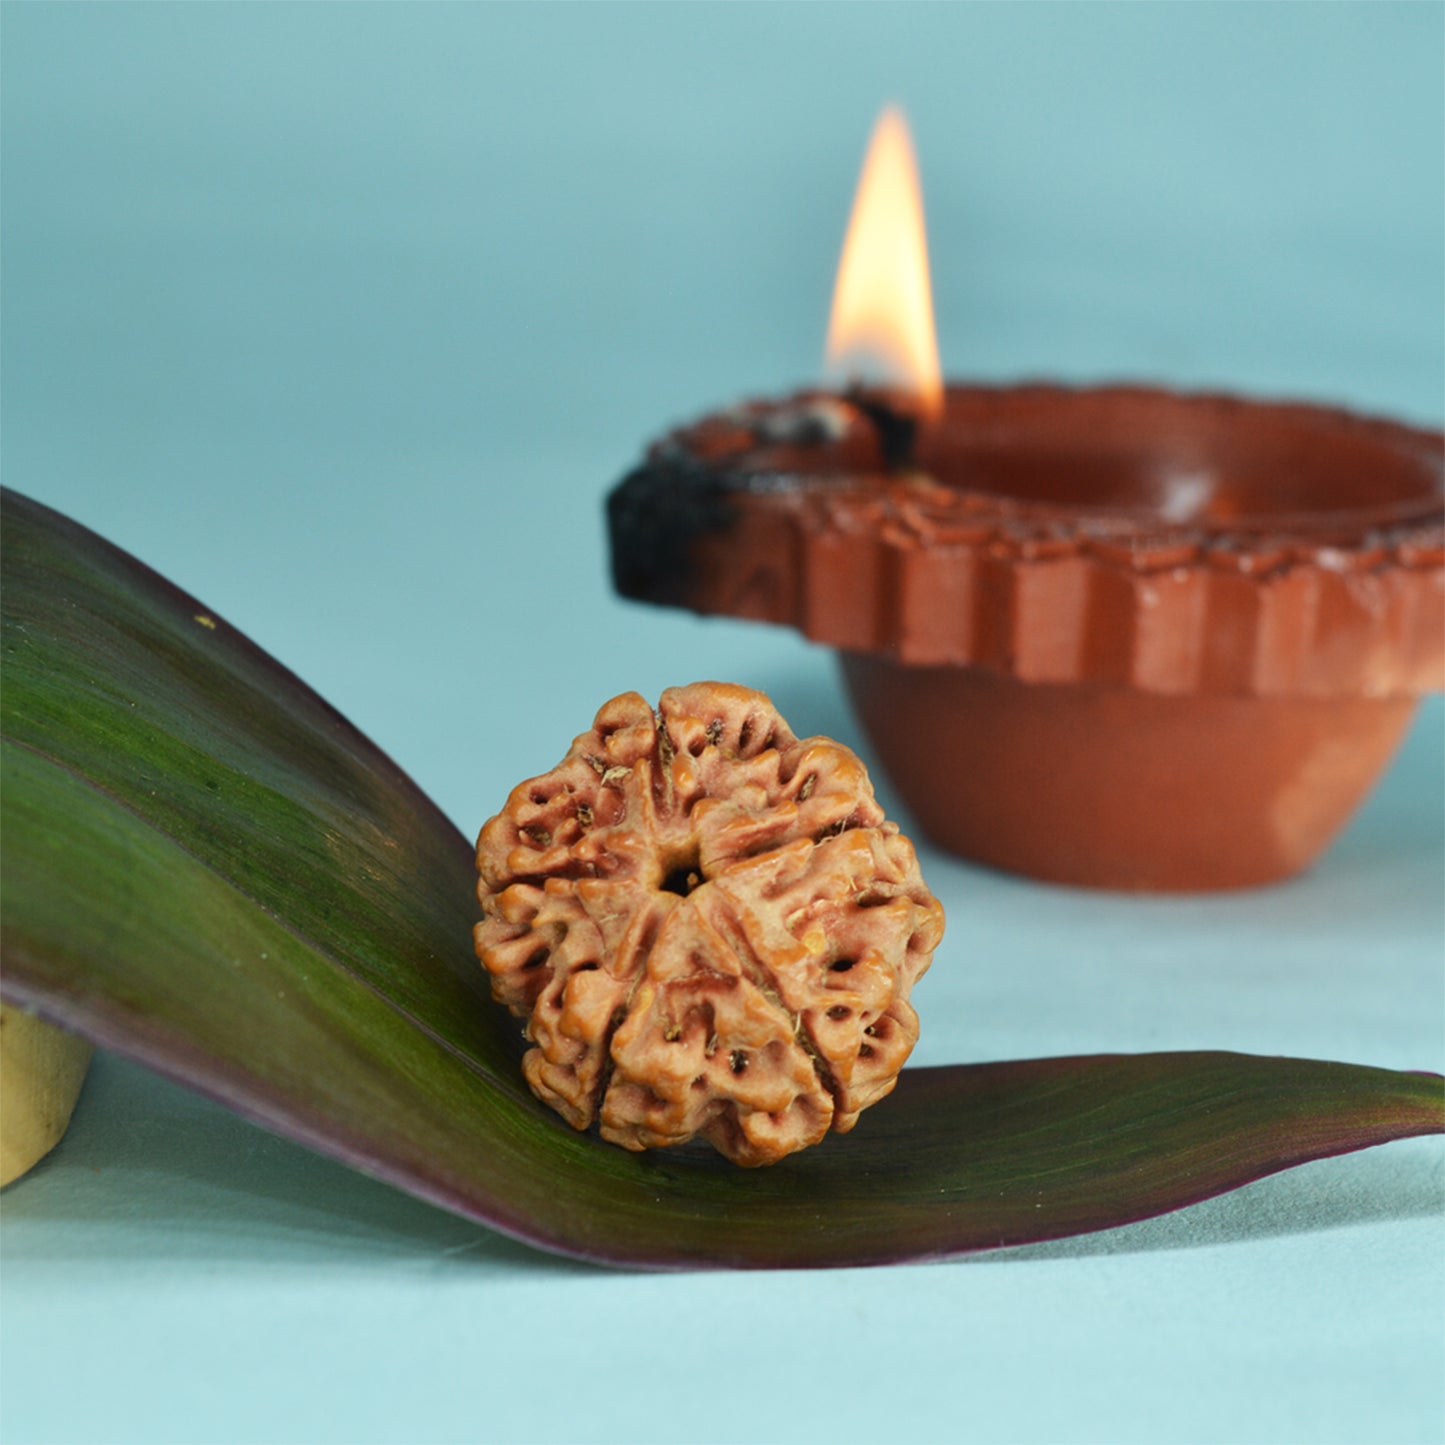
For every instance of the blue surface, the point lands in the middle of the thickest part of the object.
(344, 317)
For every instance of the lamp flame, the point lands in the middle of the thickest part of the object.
(882, 319)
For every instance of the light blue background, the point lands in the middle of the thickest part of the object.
(345, 317)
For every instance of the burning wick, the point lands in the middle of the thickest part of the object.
(895, 423)
(882, 320)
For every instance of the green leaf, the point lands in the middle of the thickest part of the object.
(208, 869)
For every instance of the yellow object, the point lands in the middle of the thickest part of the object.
(41, 1071)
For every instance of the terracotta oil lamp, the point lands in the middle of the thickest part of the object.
(1115, 636)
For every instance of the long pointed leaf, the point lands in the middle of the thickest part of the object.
(208, 869)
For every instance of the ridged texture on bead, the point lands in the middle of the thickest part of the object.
(709, 927)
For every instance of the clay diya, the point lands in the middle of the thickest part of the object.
(1112, 636)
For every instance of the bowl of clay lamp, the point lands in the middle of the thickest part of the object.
(1111, 636)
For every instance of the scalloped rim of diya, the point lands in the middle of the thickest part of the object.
(1116, 636)
(1171, 542)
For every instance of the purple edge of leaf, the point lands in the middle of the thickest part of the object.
(103, 1030)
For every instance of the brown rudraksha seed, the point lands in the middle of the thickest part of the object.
(708, 926)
